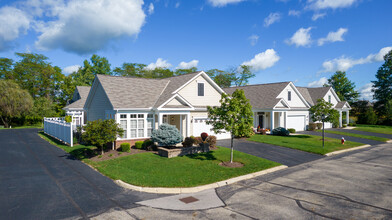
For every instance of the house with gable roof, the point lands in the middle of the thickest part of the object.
(75, 108)
(140, 105)
(285, 105)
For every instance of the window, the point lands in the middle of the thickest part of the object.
(123, 116)
(329, 98)
(137, 125)
(289, 95)
(150, 126)
(123, 124)
(200, 89)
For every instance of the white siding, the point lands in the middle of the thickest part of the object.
(295, 99)
(175, 102)
(211, 95)
(99, 104)
(334, 101)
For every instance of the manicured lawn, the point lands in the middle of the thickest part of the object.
(308, 143)
(27, 126)
(356, 135)
(149, 169)
(81, 152)
(383, 129)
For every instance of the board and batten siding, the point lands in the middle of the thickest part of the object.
(296, 101)
(99, 104)
(211, 95)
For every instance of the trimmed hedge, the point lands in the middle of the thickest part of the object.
(139, 144)
(125, 147)
(280, 131)
(312, 126)
(292, 130)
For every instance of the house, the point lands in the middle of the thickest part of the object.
(285, 105)
(140, 105)
(75, 108)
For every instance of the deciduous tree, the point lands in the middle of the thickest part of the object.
(325, 108)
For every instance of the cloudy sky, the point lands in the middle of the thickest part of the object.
(283, 40)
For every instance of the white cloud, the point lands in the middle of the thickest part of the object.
(318, 15)
(366, 92)
(318, 83)
(263, 60)
(329, 4)
(333, 36)
(344, 63)
(13, 23)
(294, 13)
(184, 65)
(70, 69)
(151, 8)
(160, 63)
(222, 3)
(272, 18)
(300, 38)
(85, 26)
(253, 39)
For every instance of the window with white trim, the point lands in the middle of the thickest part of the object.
(123, 125)
(150, 126)
(200, 89)
(289, 95)
(329, 98)
(137, 125)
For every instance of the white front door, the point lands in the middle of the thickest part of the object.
(200, 126)
(296, 121)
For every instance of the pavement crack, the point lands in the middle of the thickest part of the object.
(313, 212)
(227, 208)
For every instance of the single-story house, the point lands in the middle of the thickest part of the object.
(285, 105)
(140, 105)
(75, 108)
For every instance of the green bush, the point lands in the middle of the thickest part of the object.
(68, 118)
(149, 145)
(291, 130)
(319, 125)
(312, 126)
(188, 141)
(335, 123)
(125, 147)
(198, 140)
(344, 125)
(211, 140)
(369, 117)
(139, 144)
(166, 135)
(280, 131)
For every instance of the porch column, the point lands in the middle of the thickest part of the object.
(182, 132)
(255, 120)
(153, 121)
(347, 117)
(160, 115)
(188, 125)
(272, 120)
(340, 119)
(285, 120)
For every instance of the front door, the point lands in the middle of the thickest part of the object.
(261, 121)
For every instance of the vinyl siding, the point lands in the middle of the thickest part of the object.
(211, 95)
(99, 104)
(175, 102)
(295, 99)
(334, 101)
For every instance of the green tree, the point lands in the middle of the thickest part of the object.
(343, 87)
(233, 115)
(382, 87)
(86, 74)
(323, 108)
(43, 107)
(368, 117)
(222, 78)
(14, 101)
(6, 68)
(243, 74)
(185, 71)
(130, 69)
(101, 132)
(100, 65)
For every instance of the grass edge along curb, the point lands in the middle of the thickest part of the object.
(165, 190)
(347, 150)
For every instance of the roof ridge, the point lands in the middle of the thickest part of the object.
(261, 84)
(131, 77)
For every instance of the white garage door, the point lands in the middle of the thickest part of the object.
(200, 126)
(296, 121)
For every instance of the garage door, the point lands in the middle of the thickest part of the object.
(296, 121)
(200, 126)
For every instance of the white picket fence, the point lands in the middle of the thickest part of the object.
(59, 129)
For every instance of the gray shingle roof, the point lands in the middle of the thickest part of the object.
(133, 92)
(340, 104)
(83, 93)
(262, 96)
(313, 94)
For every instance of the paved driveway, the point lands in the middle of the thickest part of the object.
(40, 181)
(283, 155)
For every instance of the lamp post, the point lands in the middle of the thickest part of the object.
(323, 119)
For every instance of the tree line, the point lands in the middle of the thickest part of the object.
(46, 89)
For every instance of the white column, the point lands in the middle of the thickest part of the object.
(188, 125)
(340, 119)
(285, 120)
(272, 120)
(347, 117)
(182, 132)
(160, 115)
(279, 115)
(255, 119)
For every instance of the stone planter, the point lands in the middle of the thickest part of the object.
(181, 151)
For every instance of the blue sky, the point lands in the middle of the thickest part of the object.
(283, 40)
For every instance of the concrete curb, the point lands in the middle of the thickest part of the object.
(390, 141)
(347, 150)
(163, 190)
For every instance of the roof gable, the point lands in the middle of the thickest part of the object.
(79, 98)
(301, 103)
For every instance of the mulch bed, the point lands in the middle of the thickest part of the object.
(231, 165)
(117, 153)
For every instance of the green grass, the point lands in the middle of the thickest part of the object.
(25, 126)
(81, 152)
(356, 135)
(308, 143)
(383, 129)
(149, 169)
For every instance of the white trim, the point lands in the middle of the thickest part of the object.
(206, 78)
(133, 109)
(334, 94)
(171, 98)
(284, 103)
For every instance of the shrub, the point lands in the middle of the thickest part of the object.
(188, 142)
(335, 123)
(280, 131)
(125, 147)
(352, 124)
(148, 145)
(204, 136)
(211, 140)
(198, 140)
(312, 126)
(369, 117)
(139, 144)
(344, 125)
(68, 118)
(166, 135)
(319, 125)
(291, 130)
